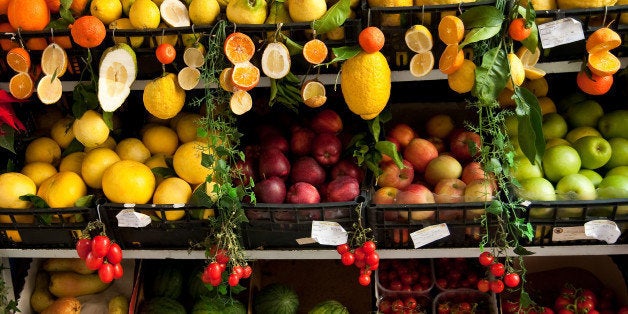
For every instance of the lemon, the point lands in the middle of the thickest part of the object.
(95, 163)
(38, 171)
(517, 72)
(54, 60)
(422, 63)
(584, 4)
(172, 190)
(144, 14)
(194, 55)
(12, 186)
(90, 129)
(365, 81)
(132, 149)
(106, 11)
(125, 23)
(241, 102)
(187, 162)
(306, 10)
(126, 6)
(62, 189)
(128, 181)
(390, 19)
(160, 139)
(419, 39)
(163, 97)
(110, 143)
(61, 132)
(174, 13)
(72, 162)
(439, 126)
(43, 149)
(203, 12)
(533, 73)
(463, 79)
(188, 78)
(49, 89)
(527, 57)
(187, 127)
(547, 105)
(276, 60)
(313, 93)
(246, 12)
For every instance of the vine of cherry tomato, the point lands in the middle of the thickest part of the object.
(213, 272)
(102, 255)
(364, 257)
(503, 276)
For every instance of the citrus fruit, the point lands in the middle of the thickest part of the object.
(54, 60)
(276, 60)
(203, 12)
(603, 63)
(538, 87)
(4, 4)
(422, 63)
(241, 102)
(38, 171)
(110, 143)
(174, 13)
(28, 15)
(144, 14)
(418, 38)
(116, 73)
(547, 105)
(187, 162)
(90, 129)
(245, 76)
(132, 149)
(49, 89)
(7, 44)
(582, 4)
(594, 85)
(315, 51)
(188, 78)
(518, 30)
(365, 81)
(21, 85)
(163, 97)
(125, 23)
(128, 181)
(160, 139)
(225, 79)
(19, 59)
(106, 10)
(439, 125)
(43, 149)
(172, 190)
(451, 59)
(36, 44)
(165, 53)
(194, 56)
(450, 29)
(239, 47)
(187, 127)
(88, 31)
(78, 7)
(533, 73)
(371, 39)
(307, 10)
(313, 93)
(517, 72)
(602, 39)
(463, 79)
(62, 190)
(72, 162)
(12, 186)
(53, 5)
(95, 162)
(527, 57)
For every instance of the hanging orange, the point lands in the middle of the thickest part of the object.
(88, 31)
(18, 59)
(594, 85)
(28, 15)
(245, 76)
(21, 85)
(603, 63)
(315, 51)
(602, 39)
(239, 47)
(371, 39)
(451, 59)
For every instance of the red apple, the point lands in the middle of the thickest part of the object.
(326, 149)
(479, 191)
(403, 133)
(472, 171)
(465, 145)
(301, 141)
(302, 193)
(306, 169)
(264, 130)
(271, 190)
(394, 176)
(275, 141)
(243, 172)
(415, 194)
(439, 144)
(252, 152)
(420, 152)
(385, 195)
(273, 163)
(449, 191)
(442, 167)
(326, 121)
(343, 189)
(347, 167)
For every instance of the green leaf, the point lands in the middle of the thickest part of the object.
(520, 250)
(7, 140)
(390, 149)
(85, 98)
(478, 34)
(334, 17)
(108, 118)
(73, 147)
(164, 172)
(273, 91)
(85, 201)
(530, 122)
(37, 201)
(524, 300)
(491, 75)
(343, 53)
(482, 16)
(495, 208)
(533, 40)
(293, 48)
(200, 198)
(375, 128)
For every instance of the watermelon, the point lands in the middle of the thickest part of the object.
(167, 281)
(218, 305)
(162, 305)
(196, 287)
(276, 298)
(329, 307)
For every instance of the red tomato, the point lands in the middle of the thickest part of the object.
(215, 282)
(342, 248)
(397, 305)
(565, 311)
(238, 270)
(410, 303)
(498, 269)
(512, 280)
(214, 270)
(561, 302)
(484, 285)
(368, 247)
(83, 246)
(93, 262)
(587, 294)
(205, 278)
(118, 271)
(105, 272)
(395, 285)
(347, 258)
(359, 254)
(486, 258)
(222, 257)
(465, 307)
(100, 245)
(585, 305)
(233, 280)
(248, 271)
(114, 255)
(165, 53)
(385, 306)
(443, 308)
(406, 279)
(372, 258)
(497, 286)
(508, 306)
(364, 280)
(623, 310)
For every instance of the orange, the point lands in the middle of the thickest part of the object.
(451, 59)
(7, 44)
(63, 41)
(54, 5)
(21, 85)
(88, 31)
(603, 63)
(315, 51)
(371, 39)
(594, 85)
(29, 15)
(603, 39)
(239, 47)
(4, 4)
(451, 29)
(245, 76)
(518, 30)
(36, 43)
(19, 59)
(78, 7)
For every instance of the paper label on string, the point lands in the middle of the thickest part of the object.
(560, 32)
(131, 218)
(429, 234)
(328, 233)
(604, 230)
(569, 234)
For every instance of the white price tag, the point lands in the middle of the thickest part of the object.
(560, 32)
(604, 230)
(130, 218)
(328, 233)
(429, 234)
(569, 234)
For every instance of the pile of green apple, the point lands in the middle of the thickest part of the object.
(586, 157)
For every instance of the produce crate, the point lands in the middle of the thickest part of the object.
(485, 303)
(43, 227)
(160, 233)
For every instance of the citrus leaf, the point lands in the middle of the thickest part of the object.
(333, 18)
(293, 47)
(478, 34)
(375, 128)
(491, 75)
(108, 118)
(482, 16)
(163, 172)
(390, 149)
(532, 41)
(343, 53)
(7, 140)
(84, 201)
(530, 122)
(37, 201)
(73, 147)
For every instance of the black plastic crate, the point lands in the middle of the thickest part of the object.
(43, 227)
(160, 233)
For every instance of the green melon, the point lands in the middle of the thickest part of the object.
(167, 281)
(218, 305)
(276, 298)
(329, 307)
(162, 305)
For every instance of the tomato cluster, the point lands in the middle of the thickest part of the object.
(407, 304)
(411, 275)
(502, 277)
(454, 273)
(103, 255)
(214, 271)
(457, 307)
(363, 257)
(573, 300)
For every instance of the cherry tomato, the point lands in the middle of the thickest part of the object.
(223, 266)
(238, 270)
(623, 310)
(368, 247)
(512, 280)
(497, 286)
(100, 245)
(165, 53)
(365, 271)
(397, 305)
(395, 285)
(105, 272)
(233, 280)
(410, 303)
(248, 271)
(118, 271)
(486, 258)
(214, 270)
(364, 279)
(93, 262)
(568, 291)
(587, 294)
(592, 311)
(464, 307)
(83, 246)
(585, 305)
(508, 306)
(114, 255)
(565, 311)
(484, 285)
(443, 308)
(359, 254)
(342, 248)
(372, 258)
(359, 263)
(347, 258)
(221, 256)
(385, 306)
(205, 278)
(215, 282)
(406, 279)
(498, 269)
(561, 302)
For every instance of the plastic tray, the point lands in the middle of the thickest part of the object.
(415, 267)
(457, 273)
(486, 303)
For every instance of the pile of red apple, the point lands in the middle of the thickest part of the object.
(438, 167)
(302, 164)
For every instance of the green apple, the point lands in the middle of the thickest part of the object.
(614, 124)
(537, 189)
(621, 170)
(554, 126)
(594, 151)
(569, 100)
(555, 142)
(584, 113)
(511, 125)
(593, 176)
(559, 161)
(619, 155)
(574, 187)
(613, 186)
(582, 131)
(524, 169)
